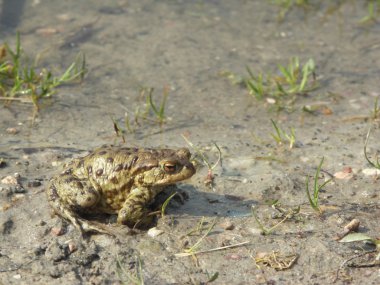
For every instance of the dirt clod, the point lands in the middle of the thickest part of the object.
(56, 251)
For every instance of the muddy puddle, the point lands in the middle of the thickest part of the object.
(182, 49)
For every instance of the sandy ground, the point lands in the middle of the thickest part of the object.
(185, 46)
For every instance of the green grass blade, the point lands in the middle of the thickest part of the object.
(373, 164)
(166, 203)
(151, 103)
(316, 178)
(285, 73)
(250, 73)
(307, 69)
(163, 104)
(277, 129)
(311, 201)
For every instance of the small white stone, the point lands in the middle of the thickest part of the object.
(365, 194)
(371, 171)
(255, 231)
(17, 276)
(154, 232)
(305, 159)
(343, 175)
(9, 180)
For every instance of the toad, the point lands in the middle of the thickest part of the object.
(116, 180)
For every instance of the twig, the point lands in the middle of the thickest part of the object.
(182, 254)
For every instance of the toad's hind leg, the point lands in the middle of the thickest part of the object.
(69, 196)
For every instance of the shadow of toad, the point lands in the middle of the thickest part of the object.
(208, 204)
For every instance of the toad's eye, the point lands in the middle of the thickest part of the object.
(170, 167)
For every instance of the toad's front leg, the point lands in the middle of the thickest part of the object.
(134, 210)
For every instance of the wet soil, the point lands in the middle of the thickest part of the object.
(185, 46)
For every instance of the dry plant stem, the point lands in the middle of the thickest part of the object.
(277, 261)
(22, 100)
(209, 180)
(266, 231)
(191, 249)
(199, 228)
(352, 226)
(347, 260)
(373, 164)
(119, 132)
(182, 254)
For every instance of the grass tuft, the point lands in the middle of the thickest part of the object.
(159, 112)
(147, 112)
(151, 108)
(287, 5)
(283, 89)
(373, 9)
(280, 135)
(314, 199)
(21, 81)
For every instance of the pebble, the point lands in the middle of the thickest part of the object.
(346, 173)
(17, 196)
(371, 171)
(11, 131)
(255, 231)
(154, 232)
(305, 159)
(57, 231)
(64, 17)
(227, 225)
(72, 247)
(19, 189)
(48, 31)
(34, 183)
(234, 256)
(9, 180)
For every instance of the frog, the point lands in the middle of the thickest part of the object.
(116, 180)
